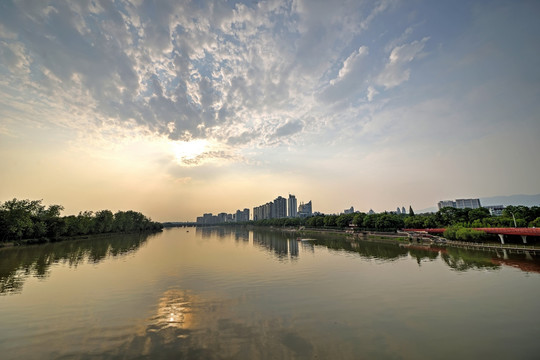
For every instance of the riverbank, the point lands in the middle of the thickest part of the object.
(366, 235)
(404, 238)
(42, 241)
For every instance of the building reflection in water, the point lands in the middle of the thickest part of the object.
(223, 232)
(279, 244)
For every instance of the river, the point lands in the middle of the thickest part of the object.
(235, 293)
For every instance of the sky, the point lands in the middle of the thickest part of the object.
(179, 108)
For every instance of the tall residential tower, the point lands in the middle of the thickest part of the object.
(292, 212)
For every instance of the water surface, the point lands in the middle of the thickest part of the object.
(234, 293)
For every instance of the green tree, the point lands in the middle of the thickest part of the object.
(414, 222)
(358, 219)
(18, 217)
(478, 214)
(103, 222)
(535, 223)
(411, 212)
(330, 220)
(344, 220)
(369, 221)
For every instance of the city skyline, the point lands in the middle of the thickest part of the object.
(178, 109)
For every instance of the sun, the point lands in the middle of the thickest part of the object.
(187, 151)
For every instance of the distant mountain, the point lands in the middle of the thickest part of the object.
(426, 210)
(527, 200)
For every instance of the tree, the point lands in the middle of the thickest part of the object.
(358, 219)
(411, 212)
(343, 220)
(103, 222)
(414, 222)
(369, 221)
(330, 220)
(478, 214)
(18, 217)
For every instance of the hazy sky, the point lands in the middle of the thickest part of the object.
(175, 108)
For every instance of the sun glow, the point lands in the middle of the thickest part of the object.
(188, 152)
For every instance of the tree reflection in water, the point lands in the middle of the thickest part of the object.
(19, 263)
(285, 247)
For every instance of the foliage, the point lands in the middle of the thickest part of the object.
(29, 219)
(452, 219)
(464, 234)
(535, 222)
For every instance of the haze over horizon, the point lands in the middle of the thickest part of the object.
(183, 108)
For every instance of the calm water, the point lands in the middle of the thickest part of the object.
(227, 293)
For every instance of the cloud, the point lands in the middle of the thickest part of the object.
(233, 73)
(351, 64)
(244, 138)
(290, 128)
(13, 56)
(218, 157)
(395, 72)
(371, 92)
(350, 78)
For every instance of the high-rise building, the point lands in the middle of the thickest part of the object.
(446, 203)
(403, 210)
(292, 213)
(398, 211)
(460, 203)
(222, 217)
(305, 210)
(242, 215)
(280, 207)
(209, 219)
(468, 203)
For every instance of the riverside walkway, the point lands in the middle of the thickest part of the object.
(510, 248)
(501, 232)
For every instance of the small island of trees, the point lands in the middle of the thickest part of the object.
(29, 221)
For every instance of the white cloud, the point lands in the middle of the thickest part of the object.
(371, 92)
(350, 78)
(351, 64)
(396, 72)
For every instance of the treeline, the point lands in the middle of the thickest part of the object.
(376, 222)
(30, 219)
(518, 216)
(446, 217)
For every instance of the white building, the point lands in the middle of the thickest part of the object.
(460, 204)
(468, 203)
(305, 210)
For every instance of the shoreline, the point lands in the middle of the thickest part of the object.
(404, 239)
(32, 242)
